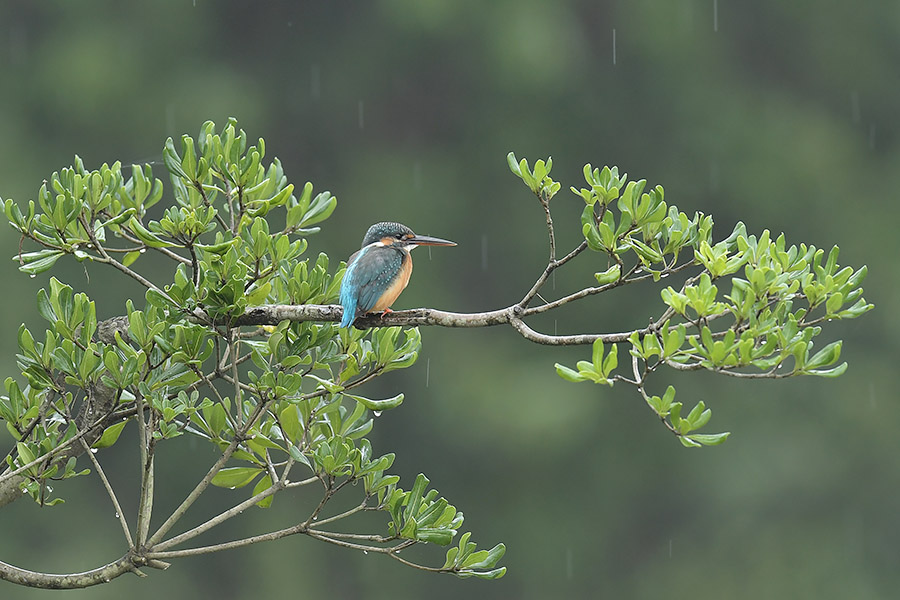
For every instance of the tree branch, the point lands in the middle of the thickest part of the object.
(69, 581)
(272, 314)
(112, 494)
(220, 518)
(205, 482)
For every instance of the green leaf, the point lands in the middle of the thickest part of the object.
(826, 356)
(41, 264)
(130, 257)
(289, 418)
(25, 453)
(492, 574)
(263, 484)
(378, 405)
(611, 361)
(513, 164)
(415, 497)
(710, 439)
(608, 276)
(834, 302)
(110, 435)
(439, 536)
(688, 442)
(146, 236)
(172, 161)
(568, 374)
(597, 353)
(835, 372)
(235, 477)
(485, 559)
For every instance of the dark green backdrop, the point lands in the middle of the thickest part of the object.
(781, 114)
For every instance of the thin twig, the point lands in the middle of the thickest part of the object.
(204, 483)
(266, 537)
(639, 378)
(302, 482)
(57, 450)
(218, 519)
(120, 514)
(343, 515)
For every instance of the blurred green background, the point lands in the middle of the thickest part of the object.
(780, 114)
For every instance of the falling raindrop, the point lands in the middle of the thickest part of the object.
(716, 15)
(555, 328)
(427, 371)
(33, 275)
(360, 114)
(872, 137)
(365, 551)
(570, 570)
(553, 280)
(316, 518)
(315, 82)
(484, 256)
(93, 451)
(117, 515)
(854, 106)
(142, 250)
(670, 548)
(614, 45)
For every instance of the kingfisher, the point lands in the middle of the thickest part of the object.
(380, 270)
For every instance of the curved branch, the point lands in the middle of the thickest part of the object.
(272, 314)
(68, 581)
(581, 339)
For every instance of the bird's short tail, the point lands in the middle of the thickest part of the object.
(348, 317)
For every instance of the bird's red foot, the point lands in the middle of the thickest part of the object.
(385, 312)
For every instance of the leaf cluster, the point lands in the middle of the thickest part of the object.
(751, 307)
(274, 401)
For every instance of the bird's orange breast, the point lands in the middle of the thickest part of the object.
(396, 287)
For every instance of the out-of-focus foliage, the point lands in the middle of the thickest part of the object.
(779, 114)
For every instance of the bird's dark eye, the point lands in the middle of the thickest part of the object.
(399, 236)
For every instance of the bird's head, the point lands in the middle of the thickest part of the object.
(397, 234)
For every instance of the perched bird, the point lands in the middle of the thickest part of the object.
(380, 270)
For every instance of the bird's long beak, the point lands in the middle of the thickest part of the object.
(427, 240)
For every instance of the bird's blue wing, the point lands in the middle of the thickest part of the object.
(377, 270)
(370, 273)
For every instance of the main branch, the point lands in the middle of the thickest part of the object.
(272, 314)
